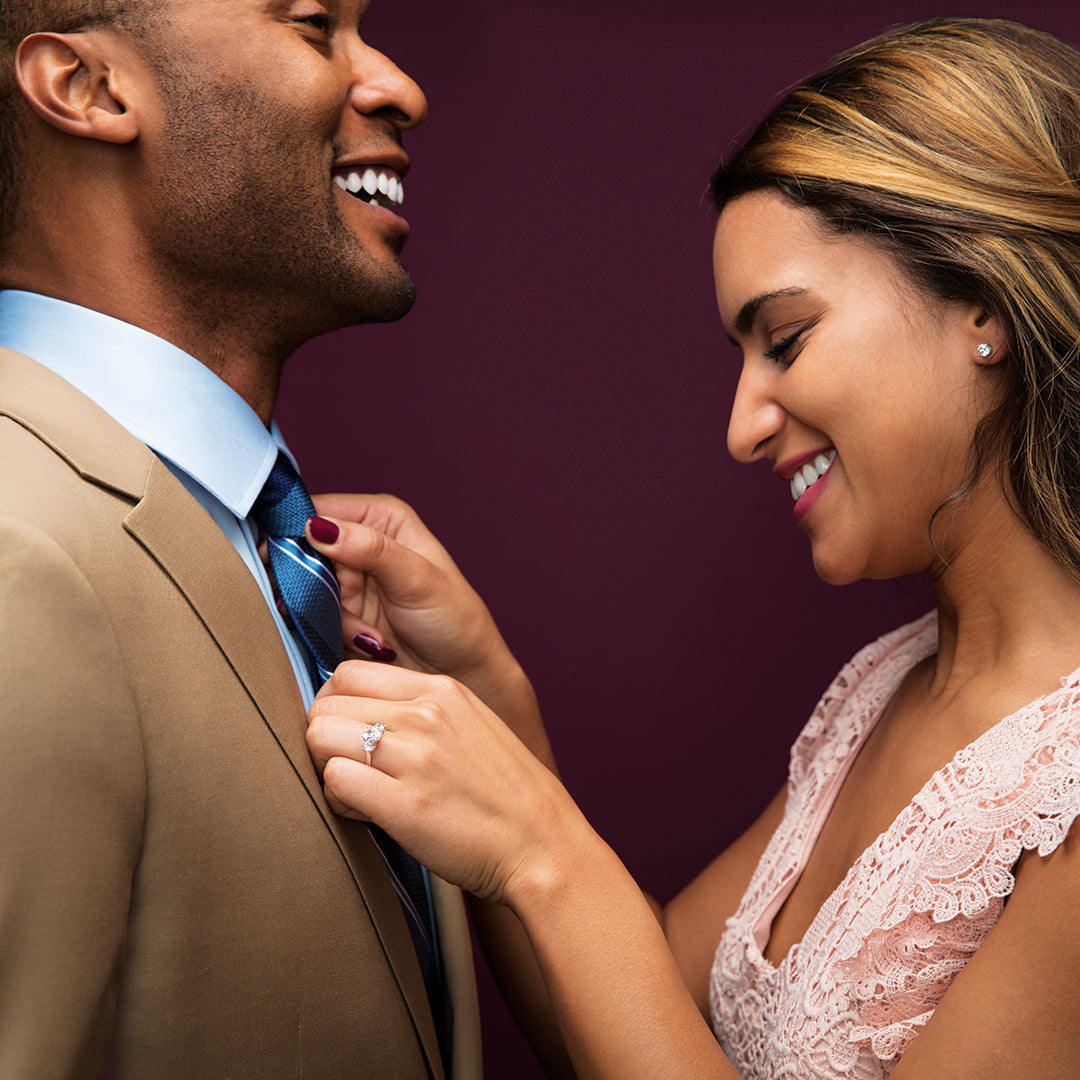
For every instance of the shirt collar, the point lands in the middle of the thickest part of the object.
(162, 395)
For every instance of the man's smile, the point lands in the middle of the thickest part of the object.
(376, 185)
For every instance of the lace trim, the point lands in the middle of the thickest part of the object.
(827, 743)
(917, 903)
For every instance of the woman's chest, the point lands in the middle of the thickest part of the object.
(862, 803)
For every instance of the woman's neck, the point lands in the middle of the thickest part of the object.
(1006, 606)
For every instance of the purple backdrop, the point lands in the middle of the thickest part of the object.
(556, 403)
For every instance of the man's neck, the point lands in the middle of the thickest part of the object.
(242, 351)
(252, 368)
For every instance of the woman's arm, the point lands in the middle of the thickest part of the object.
(400, 586)
(460, 791)
(695, 918)
(692, 923)
(1014, 1011)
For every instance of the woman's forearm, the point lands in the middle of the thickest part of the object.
(618, 996)
(510, 957)
(472, 802)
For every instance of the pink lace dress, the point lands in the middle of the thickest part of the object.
(848, 999)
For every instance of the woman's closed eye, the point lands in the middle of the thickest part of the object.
(791, 344)
(782, 351)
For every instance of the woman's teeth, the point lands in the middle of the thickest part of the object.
(811, 473)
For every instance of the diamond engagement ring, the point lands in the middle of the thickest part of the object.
(372, 734)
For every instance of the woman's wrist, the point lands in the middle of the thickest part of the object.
(500, 682)
(561, 866)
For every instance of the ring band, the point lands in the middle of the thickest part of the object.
(372, 734)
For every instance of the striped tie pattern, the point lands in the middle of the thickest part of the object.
(309, 590)
(305, 579)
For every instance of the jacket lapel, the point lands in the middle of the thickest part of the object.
(184, 541)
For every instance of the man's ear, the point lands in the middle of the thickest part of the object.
(71, 83)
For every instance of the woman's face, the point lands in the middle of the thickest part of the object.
(861, 392)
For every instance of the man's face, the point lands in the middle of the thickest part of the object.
(268, 110)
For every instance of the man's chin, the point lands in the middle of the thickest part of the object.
(391, 306)
(380, 301)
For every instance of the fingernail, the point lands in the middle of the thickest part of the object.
(326, 532)
(366, 643)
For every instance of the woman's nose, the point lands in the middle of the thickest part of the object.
(755, 417)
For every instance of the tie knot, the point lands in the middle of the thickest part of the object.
(284, 505)
(305, 579)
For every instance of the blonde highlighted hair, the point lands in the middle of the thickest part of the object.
(954, 144)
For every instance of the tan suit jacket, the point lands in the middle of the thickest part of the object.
(173, 887)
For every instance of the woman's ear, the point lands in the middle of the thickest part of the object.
(988, 336)
(70, 81)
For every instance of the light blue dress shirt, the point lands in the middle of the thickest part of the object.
(209, 437)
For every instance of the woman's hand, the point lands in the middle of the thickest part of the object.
(452, 784)
(400, 587)
(448, 779)
(401, 590)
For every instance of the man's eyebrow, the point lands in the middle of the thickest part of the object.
(745, 319)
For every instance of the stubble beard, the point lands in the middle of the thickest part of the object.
(248, 225)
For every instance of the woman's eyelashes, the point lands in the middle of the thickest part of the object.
(782, 351)
(788, 348)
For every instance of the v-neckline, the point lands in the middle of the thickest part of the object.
(791, 873)
(761, 932)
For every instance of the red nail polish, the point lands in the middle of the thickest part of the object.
(366, 643)
(326, 532)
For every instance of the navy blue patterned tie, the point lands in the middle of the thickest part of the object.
(305, 579)
(309, 590)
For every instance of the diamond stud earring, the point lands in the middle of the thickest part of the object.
(984, 350)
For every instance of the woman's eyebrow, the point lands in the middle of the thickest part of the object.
(745, 319)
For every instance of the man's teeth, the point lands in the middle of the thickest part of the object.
(375, 186)
(811, 473)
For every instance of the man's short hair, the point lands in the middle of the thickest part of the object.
(18, 19)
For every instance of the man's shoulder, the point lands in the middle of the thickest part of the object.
(49, 428)
(74, 474)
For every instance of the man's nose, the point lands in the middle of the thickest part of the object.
(380, 86)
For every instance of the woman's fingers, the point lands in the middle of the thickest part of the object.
(447, 778)
(431, 613)
(338, 727)
(405, 576)
(361, 678)
(389, 515)
(416, 710)
(363, 641)
(354, 790)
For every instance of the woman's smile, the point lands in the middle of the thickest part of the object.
(808, 482)
(845, 360)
